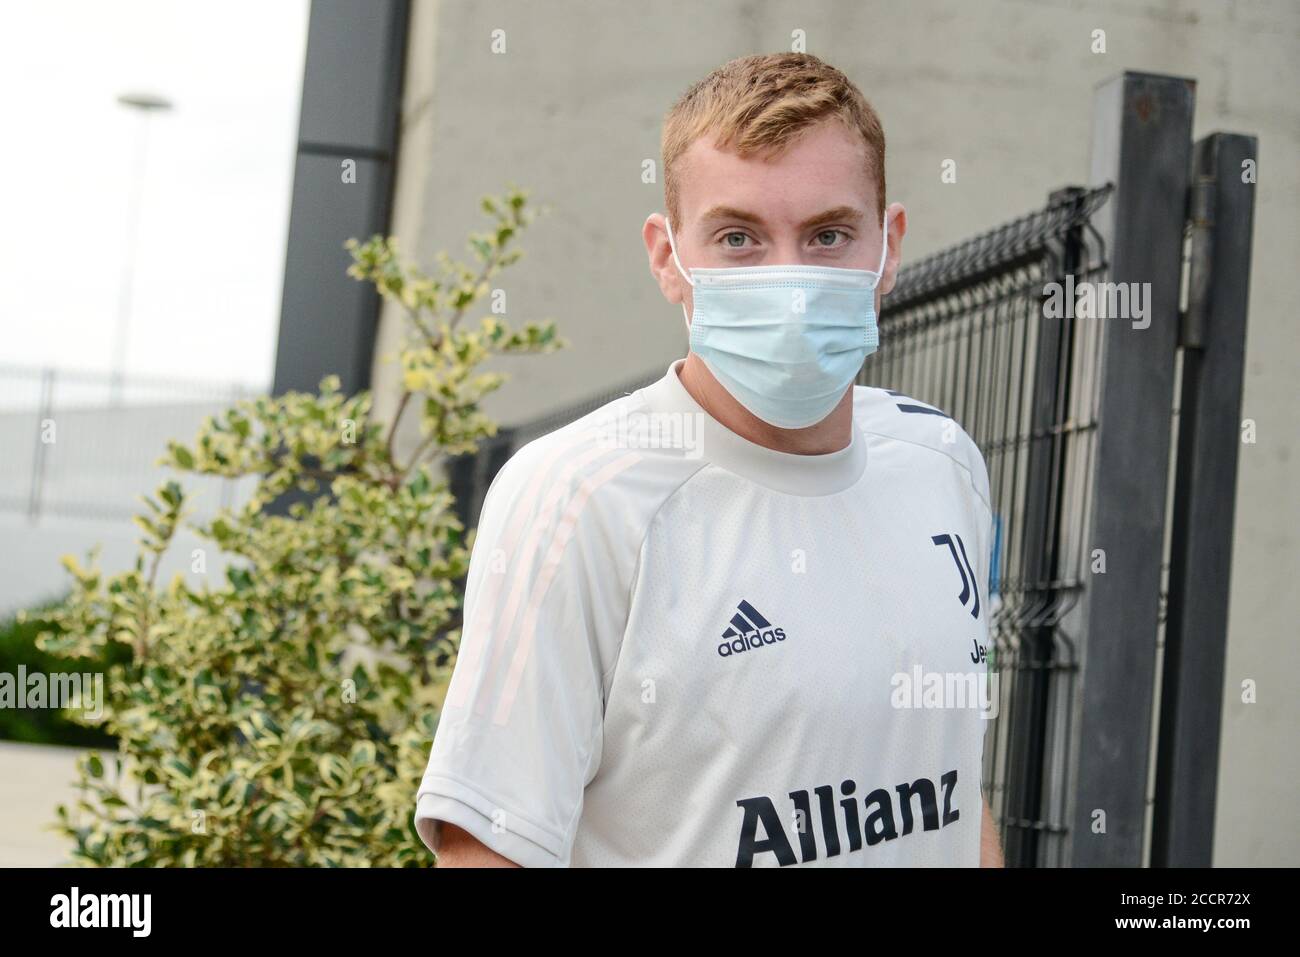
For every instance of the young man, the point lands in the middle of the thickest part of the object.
(689, 614)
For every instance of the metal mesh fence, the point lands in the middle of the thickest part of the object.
(82, 445)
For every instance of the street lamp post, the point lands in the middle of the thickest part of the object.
(146, 104)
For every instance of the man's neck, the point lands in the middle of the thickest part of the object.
(831, 434)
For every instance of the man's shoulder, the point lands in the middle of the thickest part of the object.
(892, 415)
(615, 455)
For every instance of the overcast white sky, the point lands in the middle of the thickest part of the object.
(216, 198)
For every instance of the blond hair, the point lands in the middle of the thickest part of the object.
(763, 103)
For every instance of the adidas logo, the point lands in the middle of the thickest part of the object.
(748, 629)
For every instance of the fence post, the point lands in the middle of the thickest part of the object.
(1214, 347)
(44, 412)
(1141, 141)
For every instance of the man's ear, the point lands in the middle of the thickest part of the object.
(655, 235)
(894, 259)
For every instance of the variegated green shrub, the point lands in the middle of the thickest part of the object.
(281, 714)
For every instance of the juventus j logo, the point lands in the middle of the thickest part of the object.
(969, 586)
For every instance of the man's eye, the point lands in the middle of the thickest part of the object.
(829, 237)
(735, 240)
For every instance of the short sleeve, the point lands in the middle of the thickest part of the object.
(519, 735)
(984, 518)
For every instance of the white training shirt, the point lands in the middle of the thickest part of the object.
(682, 648)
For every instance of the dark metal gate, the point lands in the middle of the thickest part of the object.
(1062, 344)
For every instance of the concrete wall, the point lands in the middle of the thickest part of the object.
(572, 110)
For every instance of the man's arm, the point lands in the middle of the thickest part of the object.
(459, 848)
(520, 730)
(990, 849)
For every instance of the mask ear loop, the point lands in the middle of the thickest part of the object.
(884, 249)
(673, 246)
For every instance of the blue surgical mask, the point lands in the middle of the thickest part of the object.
(785, 341)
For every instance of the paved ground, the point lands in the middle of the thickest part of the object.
(33, 780)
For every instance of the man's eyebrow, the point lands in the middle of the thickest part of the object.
(730, 213)
(840, 214)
